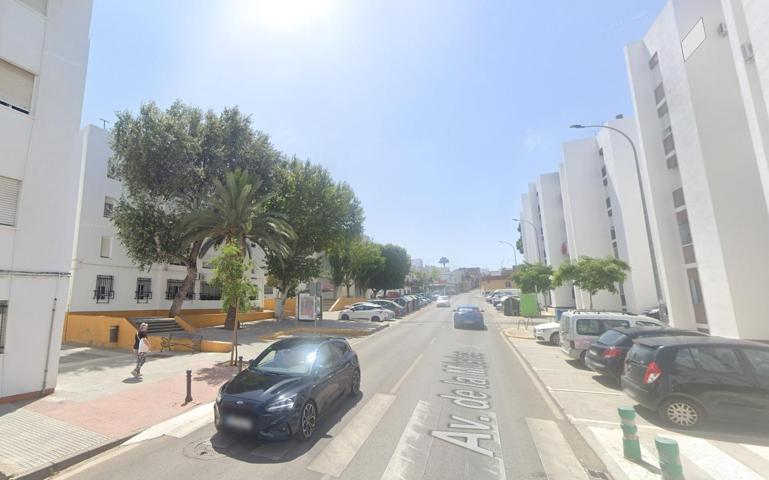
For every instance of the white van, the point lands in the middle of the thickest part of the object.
(579, 329)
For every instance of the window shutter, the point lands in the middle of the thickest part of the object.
(16, 86)
(9, 200)
(3, 324)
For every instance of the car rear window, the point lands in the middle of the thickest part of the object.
(597, 326)
(613, 337)
(641, 354)
(684, 359)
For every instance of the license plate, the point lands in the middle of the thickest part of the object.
(239, 423)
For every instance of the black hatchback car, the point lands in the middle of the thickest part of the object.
(286, 388)
(607, 355)
(686, 379)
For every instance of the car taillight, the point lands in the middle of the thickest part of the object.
(611, 352)
(571, 344)
(653, 372)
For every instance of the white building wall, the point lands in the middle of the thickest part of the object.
(92, 226)
(587, 224)
(724, 200)
(554, 233)
(39, 150)
(531, 227)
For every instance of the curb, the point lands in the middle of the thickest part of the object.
(45, 471)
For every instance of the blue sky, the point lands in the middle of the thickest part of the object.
(437, 112)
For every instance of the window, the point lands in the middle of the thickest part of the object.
(609, 212)
(508, 284)
(654, 61)
(693, 39)
(327, 356)
(603, 170)
(39, 5)
(672, 161)
(209, 292)
(605, 182)
(268, 290)
(106, 247)
(16, 87)
(678, 197)
(613, 233)
(683, 227)
(663, 110)
(109, 204)
(9, 200)
(173, 287)
(143, 290)
(615, 249)
(600, 152)
(694, 285)
(684, 359)
(104, 291)
(716, 359)
(641, 323)
(3, 324)
(608, 202)
(689, 257)
(669, 144)
(659, 93)
(596, 326)
(758, 359)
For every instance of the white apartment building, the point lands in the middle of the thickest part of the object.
(554, 233)
(703, 169)
(531, 227)
(103, 277)
(43, 59)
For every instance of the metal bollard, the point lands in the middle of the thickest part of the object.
(240, 363)
(670, 458)
(188, 399)
(631, 446)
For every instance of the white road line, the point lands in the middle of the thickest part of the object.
(342, 449)
(409, 460)
(559, 370)
(432, 341)
(557, 457)
(178, 425)
(611, 441)
(593, 392)
(545, 394)
(713, 460)
(588, 421)
(406, 374)
(759, 450)
(75, 471)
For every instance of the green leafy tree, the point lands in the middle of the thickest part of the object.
(397, 264)
(519, 242)
(443, 261)
(231, 276)
(366, 263)
(167, 161)
(322, 213)
(236, 214)
(340, 266)
(592, 274)
(533, 277)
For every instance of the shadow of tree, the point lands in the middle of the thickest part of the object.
(215, 375)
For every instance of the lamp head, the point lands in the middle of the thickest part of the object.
(576, 126)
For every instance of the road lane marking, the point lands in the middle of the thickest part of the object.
(759, 450)
(611, 441)
(593, 392)
(556, 455)
(406, 374)
(178, 425)
(537, 384)
(712, 460)
(342, 449)
(409, 460)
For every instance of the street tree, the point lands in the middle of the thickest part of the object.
(231, 276)
(236, 214)
(533, 277)
(366, 263)
(443, 261)
(592, 274)
(397, 264)
(167, 161)
(519, 242)
(322, 213)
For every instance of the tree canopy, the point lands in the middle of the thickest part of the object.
(533, 277)
(397, 264)
(366, 263)
(592, 274)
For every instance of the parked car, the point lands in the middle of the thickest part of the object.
(468, 315)
(502, 293)
(687, 379)
(365, 311)
(579, 329)
(403, 303)
(443, 301)
(607, 355)
(397, 309)
(287, 387)
(548, 332)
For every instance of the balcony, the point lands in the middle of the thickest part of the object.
(103, 296)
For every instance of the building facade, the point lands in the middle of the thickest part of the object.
(531, 227)
(103, 277)
(702, 145)
(43, 60)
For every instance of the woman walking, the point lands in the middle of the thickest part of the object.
(141, 347)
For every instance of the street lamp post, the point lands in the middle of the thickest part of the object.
(515, 253)
(536, 236)
(661, 305)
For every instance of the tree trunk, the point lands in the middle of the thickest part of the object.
(347, 287)
(234, 349)
(229, 322)
(591, 301)
(280, 302)
(189, 280)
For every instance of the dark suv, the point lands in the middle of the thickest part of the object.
(607, 355)
(686, 379)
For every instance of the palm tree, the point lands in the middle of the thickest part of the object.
(236, 214)
(443, 261)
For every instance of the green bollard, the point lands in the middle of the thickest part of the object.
(670, 458)
(631, 446)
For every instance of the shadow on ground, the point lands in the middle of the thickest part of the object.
(755, 434)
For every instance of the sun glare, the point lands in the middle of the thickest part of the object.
(286, 15)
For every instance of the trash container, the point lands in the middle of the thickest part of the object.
(113, 332)
(511, 307)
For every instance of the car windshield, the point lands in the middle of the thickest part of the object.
(294, 359)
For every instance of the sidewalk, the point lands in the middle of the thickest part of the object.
(590, 401)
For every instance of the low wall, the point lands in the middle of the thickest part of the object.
(205, 320)
(344, 301)
(289, 307)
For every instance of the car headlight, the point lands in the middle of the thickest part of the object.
(282, 404)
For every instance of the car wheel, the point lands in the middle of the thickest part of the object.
(555, 339)
(355, 383)
(375, 319)
(344, 317)
(308, 420)
(582, 358)
(682, 413)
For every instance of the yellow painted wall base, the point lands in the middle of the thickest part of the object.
(204, 320)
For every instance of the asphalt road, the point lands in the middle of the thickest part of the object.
(436, 403)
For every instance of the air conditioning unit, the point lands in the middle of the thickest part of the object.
(747, 52)
(722, 30)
